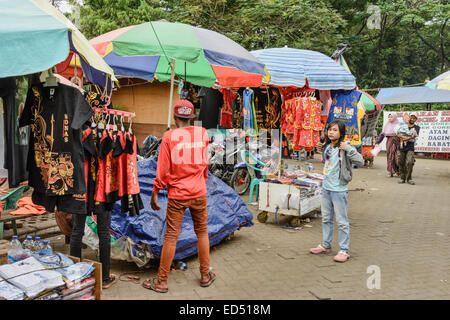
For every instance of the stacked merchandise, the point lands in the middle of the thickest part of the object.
(10, 292)
(84, 290)
(77, 276)
(300, 178)
(51, 277)
(31, 277)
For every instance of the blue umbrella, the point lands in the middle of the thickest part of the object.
(296, 67)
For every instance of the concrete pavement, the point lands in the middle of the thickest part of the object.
(399, 246)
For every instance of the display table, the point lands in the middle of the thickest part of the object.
(288, 199)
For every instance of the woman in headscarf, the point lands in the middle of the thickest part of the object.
(392, 144)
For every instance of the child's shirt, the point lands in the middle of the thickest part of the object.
(402, 128)
(331, 170)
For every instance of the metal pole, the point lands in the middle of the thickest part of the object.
(281, 151)
(169, 117)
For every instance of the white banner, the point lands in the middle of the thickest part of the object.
(434, 135)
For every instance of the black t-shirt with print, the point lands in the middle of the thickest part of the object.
(56, 156)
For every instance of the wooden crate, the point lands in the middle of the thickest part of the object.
(97, 276)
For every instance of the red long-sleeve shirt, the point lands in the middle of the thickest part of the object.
(183, 163)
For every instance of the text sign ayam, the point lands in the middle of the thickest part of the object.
(434, 130)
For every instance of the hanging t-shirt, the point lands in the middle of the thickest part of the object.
(345, 107)
(15, 152)
(273, 109)
(212, 100)
(248, 110)
(56, 155)
(356, 139)
(261, 100)
(237, 112)
(226, 118)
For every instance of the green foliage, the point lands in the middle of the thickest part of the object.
(410, 46)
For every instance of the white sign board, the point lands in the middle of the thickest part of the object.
(434, 133)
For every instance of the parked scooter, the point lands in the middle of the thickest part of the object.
(222, 160)
(241, 179)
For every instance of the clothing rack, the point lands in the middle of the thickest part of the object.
(116, 112)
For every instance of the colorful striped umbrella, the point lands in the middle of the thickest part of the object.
(165, 50)
(296, 67)
(35, 36)
(368, 102)
(203, 57)
(440, 82)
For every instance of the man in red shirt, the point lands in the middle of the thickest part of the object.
(183, 169)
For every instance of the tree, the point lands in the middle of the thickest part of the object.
(409, 46)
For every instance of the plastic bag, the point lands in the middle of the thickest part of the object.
(375, 150)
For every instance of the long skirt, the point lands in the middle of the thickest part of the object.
(392, 144)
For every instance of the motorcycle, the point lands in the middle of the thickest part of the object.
(222, 161)
(241, 179)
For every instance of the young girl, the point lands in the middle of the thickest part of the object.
(339, 157)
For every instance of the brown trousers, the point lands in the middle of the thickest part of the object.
(175, 213)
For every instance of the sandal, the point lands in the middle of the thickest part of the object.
(342, 256)
(150, 284)
(320, 249)
(212, 277)
(109, 282)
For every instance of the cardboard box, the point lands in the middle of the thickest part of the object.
(4, 251)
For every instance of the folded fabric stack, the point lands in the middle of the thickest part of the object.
(84, 290)
(10, 292)
(30, 276)
(51, 294)
(316, 176)
(76, 273)
(306, 182)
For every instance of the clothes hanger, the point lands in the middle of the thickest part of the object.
(122, 128)
(51, 80)
(130, 121)
(101, 125)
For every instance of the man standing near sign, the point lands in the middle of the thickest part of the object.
(406, 157)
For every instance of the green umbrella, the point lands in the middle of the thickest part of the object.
(207, 57)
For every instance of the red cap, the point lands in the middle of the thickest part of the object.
(184, 109)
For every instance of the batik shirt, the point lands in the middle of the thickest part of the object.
(56, 156)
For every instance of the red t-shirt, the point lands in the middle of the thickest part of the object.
(183, 163)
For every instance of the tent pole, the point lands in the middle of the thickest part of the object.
(281, 151)
(169, 117)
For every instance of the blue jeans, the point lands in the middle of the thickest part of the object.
(335, 203)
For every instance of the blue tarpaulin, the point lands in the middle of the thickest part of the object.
(412, 95)
(227, 212)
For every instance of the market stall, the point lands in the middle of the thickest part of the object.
(306, 80)
(196, 56)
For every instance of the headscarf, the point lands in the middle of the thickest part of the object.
(388, 129)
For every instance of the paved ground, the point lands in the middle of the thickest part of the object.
(401, 230)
